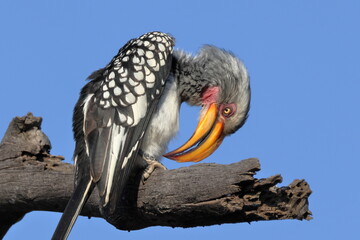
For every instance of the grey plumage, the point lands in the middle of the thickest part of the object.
(214, 67)
(188, 73)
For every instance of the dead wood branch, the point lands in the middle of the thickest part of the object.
(204, 194)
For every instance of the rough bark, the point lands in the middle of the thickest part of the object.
(204, 194)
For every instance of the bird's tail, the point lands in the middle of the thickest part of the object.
(77, 201)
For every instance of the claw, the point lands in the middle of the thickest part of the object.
(152, 165)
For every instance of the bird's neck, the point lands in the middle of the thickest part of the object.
(188, 74)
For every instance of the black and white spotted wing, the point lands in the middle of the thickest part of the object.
(117, 112)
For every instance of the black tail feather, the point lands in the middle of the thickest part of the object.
(73, 209)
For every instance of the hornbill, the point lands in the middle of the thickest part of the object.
(129, 110)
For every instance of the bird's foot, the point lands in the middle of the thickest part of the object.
(152, 164)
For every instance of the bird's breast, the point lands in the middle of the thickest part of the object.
(164, 123)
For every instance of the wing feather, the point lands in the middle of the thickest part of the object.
(118, 111)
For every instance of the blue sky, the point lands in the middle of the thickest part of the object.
(303, 59)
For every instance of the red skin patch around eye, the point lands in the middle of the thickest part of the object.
(210, 95)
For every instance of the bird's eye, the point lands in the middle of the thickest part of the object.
(227, 111)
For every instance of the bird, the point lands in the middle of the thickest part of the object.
(129, 111)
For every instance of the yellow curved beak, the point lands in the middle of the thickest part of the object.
(208, 135)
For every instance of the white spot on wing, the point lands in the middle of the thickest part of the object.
(140, 52)
(112, 75)
(138, 42)
(136, 60)
(122, 117)
(146, 43)
(123, 79)
(107, 104)
(106, 95)
(130, 98)
(125, 73)
(133, 83)
(129, 121)
(152, 47)
(157, 67)
(117, 91)
(139, 75)
(116, 61)
(137, 67)
(139, 89)
(113, 103)
(150, 78)
(149, 54)
(112, 83)
(147, 71)
(126, 89)
(142, 61)
(161, 47)
(151, 62)
(123, 103)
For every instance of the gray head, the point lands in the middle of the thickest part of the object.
(215, 75)
(218, 81)
(229, 74)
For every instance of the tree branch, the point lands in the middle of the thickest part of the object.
(204, 194)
